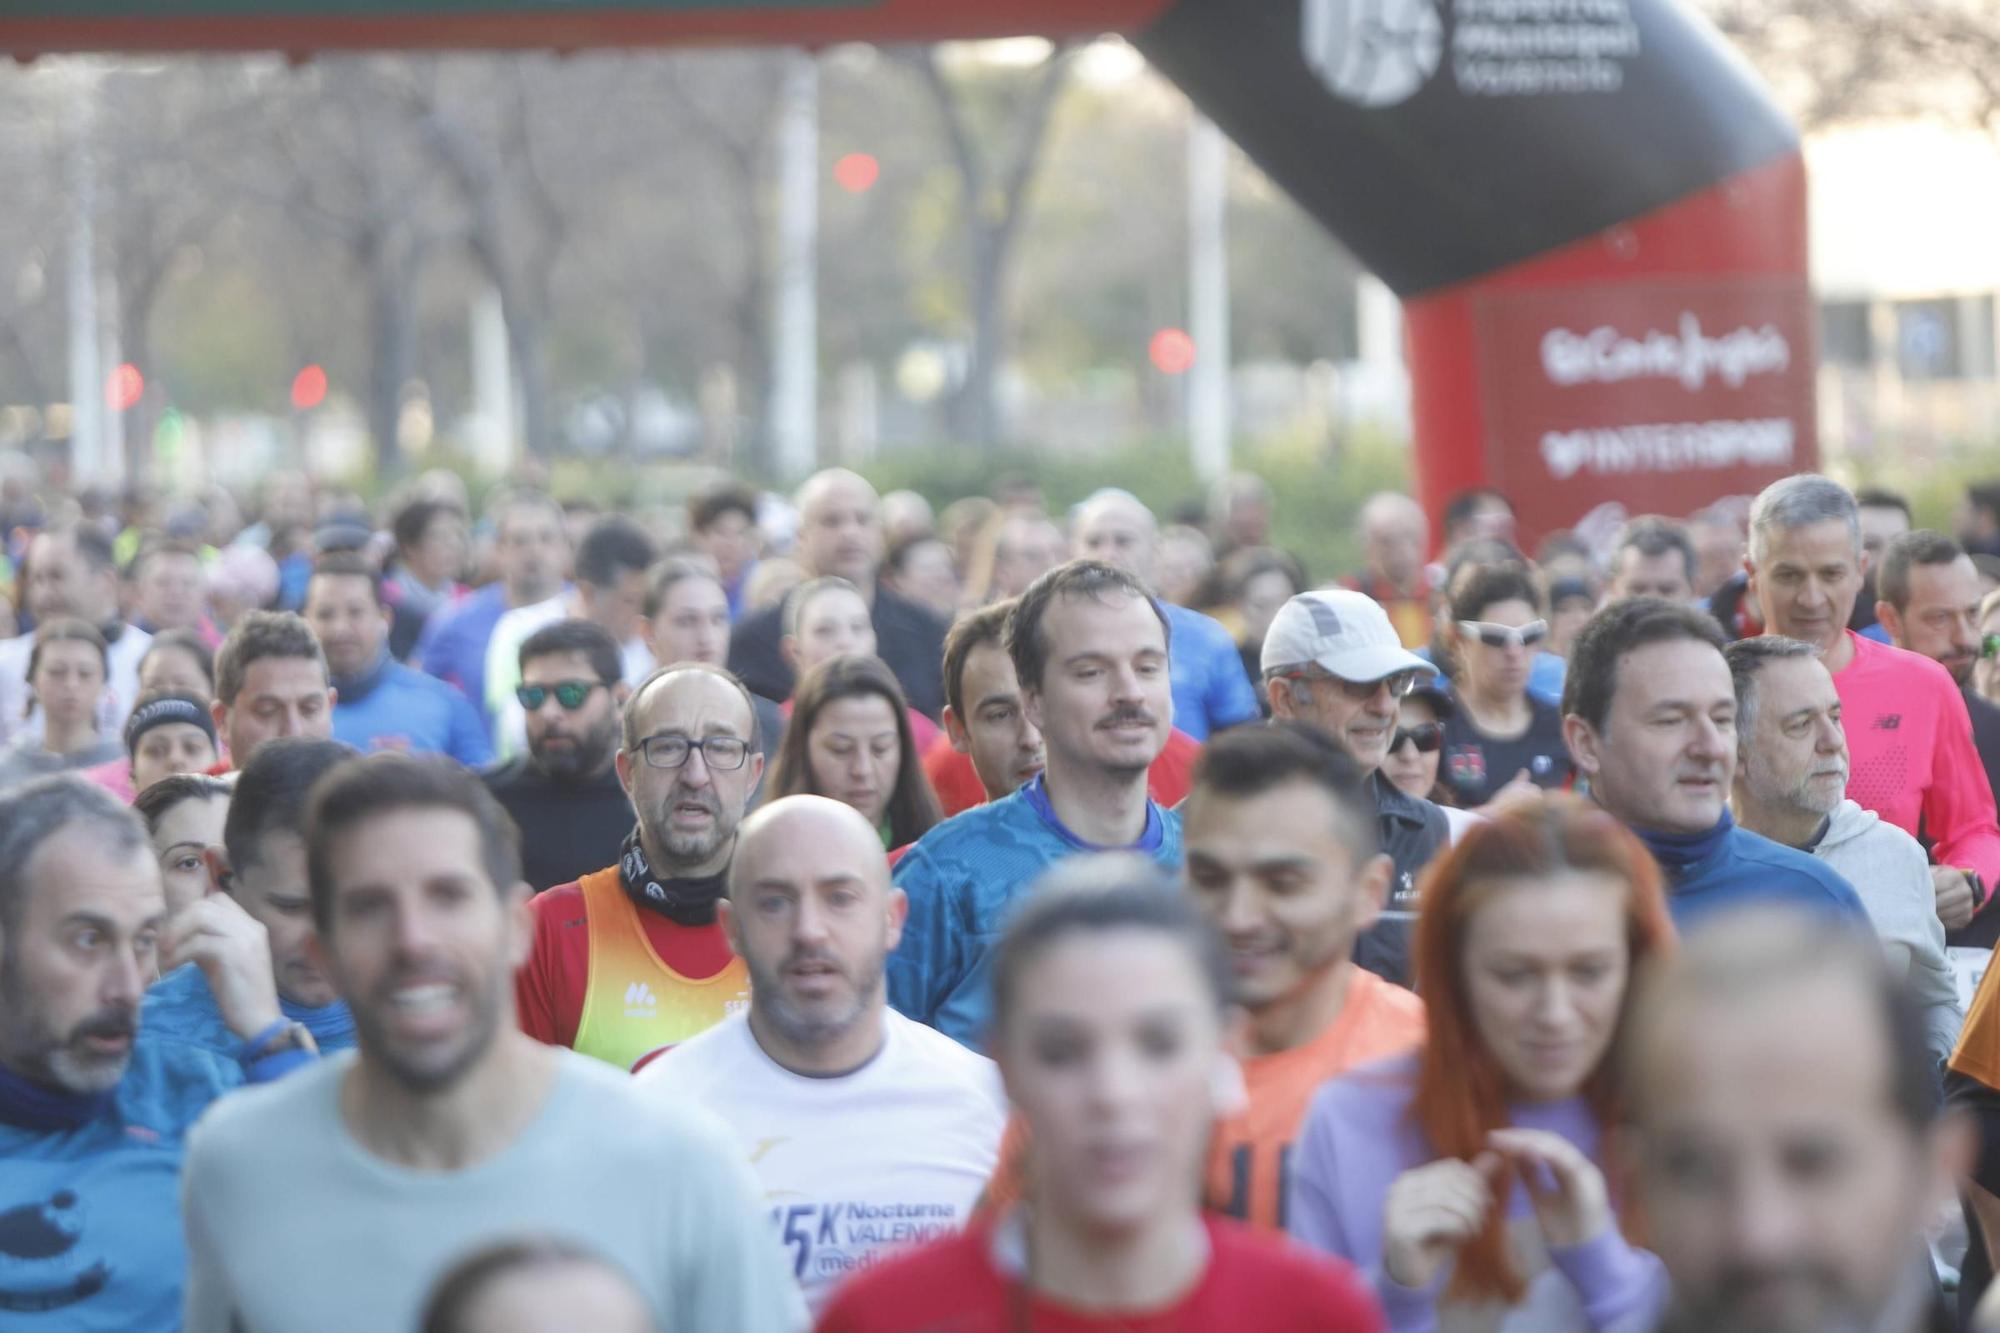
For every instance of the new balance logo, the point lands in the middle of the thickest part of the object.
(1889, 722)
(640, 1002)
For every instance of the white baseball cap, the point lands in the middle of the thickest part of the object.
(1345, 633)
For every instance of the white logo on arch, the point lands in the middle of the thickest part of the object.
(1374, 52)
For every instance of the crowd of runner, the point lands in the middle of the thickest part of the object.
(818, 910)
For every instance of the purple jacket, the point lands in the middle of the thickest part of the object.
(1358, 1137)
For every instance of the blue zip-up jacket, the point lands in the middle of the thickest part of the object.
(453, 645)
(181, 1007)
(961, 878)
(1732, 867)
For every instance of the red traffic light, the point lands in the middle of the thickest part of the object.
(308, 388)
(857, 172)
(1172, 351)
(124, 388)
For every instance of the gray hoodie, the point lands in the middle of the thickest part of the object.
(1893, 877)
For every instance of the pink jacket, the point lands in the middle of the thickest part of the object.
(1909, 741)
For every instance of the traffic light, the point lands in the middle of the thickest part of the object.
(309, 388)
(1171, 351)
(124, 388)
(857, 173)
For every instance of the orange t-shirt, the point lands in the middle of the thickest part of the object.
(1250, 1151)
(1978, 1052)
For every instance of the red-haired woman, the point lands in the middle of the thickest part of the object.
(1466, 1178)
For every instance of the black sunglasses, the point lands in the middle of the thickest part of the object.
(569, 693)
(1427, 736)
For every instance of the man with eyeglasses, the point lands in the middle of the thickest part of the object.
(1333, 661)
(631, 960)
(564, 792)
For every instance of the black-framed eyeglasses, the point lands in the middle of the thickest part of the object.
(722, 754)
(1426, 736)
(571, 694)
(1505, 636)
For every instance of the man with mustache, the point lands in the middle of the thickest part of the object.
(1783, 1138)
(1089, 646)
(1649, 715)
(564, 793)
(1907, 730)
(1791, 786)
(849, 1112)
(338, 1198)
(93, 1110)
(630, 959)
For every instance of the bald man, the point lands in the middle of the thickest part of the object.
(1394, 533)
(1786, 1170)
(1211, 688)
(866, 1128)
(840, 536)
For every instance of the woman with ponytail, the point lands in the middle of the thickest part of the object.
(1468, 1179)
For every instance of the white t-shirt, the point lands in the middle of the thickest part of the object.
(16, 718)
(895, 1153)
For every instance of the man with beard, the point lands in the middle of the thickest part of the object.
(1783, 1134)
(564, 793)
(221, 954)
(630, 959)
(1791, 786)
(848, 1111)
(1649, 715)
(1907, 731)
(336, 1199)
(92, 1110)
(1090, 646)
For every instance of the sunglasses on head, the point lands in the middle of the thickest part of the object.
(569, 693)
(1505, 636)
(1426, 736)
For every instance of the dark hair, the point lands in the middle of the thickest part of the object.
(36, 811)
(90, 542)
(1095, 894)
(271, 793)
(1921, 547)
(1653, 536)
(1461, 506)
(1626, 624)
(671, 572)
(259, 635)
(414, 519)
(1747, 658)
(159, 708)
(708, 506)
(1877, 497)
(986, 625)
(150, 551)
(154, 803)
(367, 787)
(613, 545)
(1492, 584)
(451, 1302)
(188, 641)
(913, 807)
(1250, 761)
(1029, 646)
(586, 637)
(520, 497)
(345, 565)
(628, 721)
(67, 629)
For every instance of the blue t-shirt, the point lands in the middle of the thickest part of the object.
(407, 710)
(180, 1007)
(90, 1218)
(962, 878)
(453, 645)
(1211, 689)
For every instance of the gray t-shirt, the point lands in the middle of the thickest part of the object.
(294, 1227)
